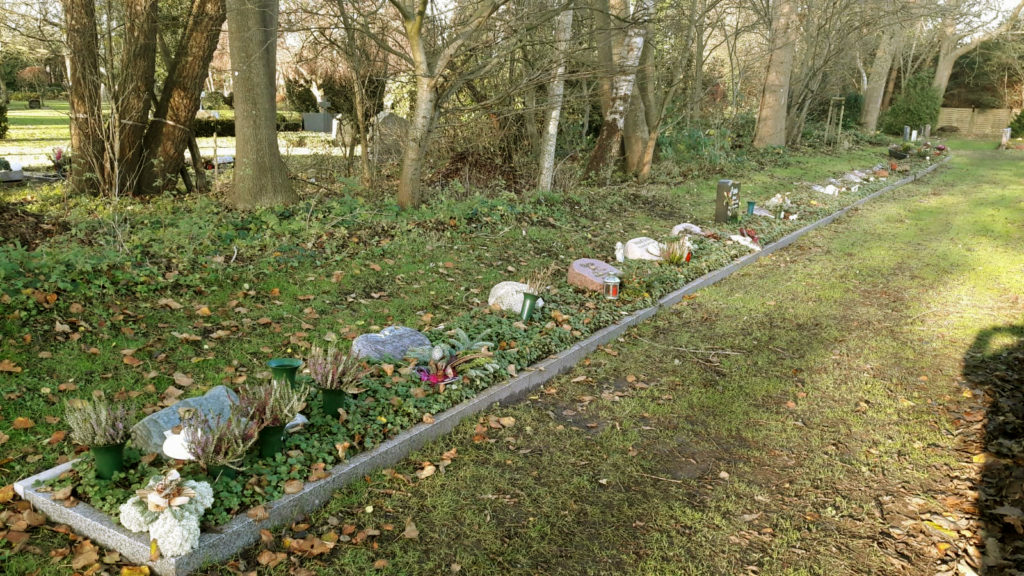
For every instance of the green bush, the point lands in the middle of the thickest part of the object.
(3, 119)
(918, 104)
(206, 127)
(1016, 127)
(215, 101)
(852, 108)
(300, 97)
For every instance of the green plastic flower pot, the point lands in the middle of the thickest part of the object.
(285, 368)
(109, 459)
(332, 400)
(271, 441)
(750, 207)
(529, 304)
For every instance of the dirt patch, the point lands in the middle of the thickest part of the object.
(27, 228)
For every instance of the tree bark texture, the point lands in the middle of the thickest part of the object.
(260, 175)
(888, 45)
(84, 96)
(950, 49)
(606, 149)
(171, 127)
(556, 92)
(134, 89)
(771, 116)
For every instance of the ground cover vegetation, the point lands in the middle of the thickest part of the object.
(593, 414)
(474, 142)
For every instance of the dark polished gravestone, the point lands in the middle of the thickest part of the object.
(727, 201)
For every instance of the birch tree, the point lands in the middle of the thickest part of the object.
(606, 149)
(555, 90)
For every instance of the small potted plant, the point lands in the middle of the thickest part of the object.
(338, 376)
(447, 363)
(538, 284)
(217, 444)
(272, 406)
(103, 426)
(677, 252)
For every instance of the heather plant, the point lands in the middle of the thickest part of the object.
(215, 441)
(333, 370)
(98, 422)
(273, 404)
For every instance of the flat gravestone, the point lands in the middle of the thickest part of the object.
(589, 274)
(727, 201)
(390, 343)
(148, 433)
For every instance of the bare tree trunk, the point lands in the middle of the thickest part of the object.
(556, 91)
(260, 176)
(608, 142)
(359, 92)
(950, 52)
(771, 117)
(428, 74)
(84, 96)
(878, 74)
(171, 126)
(202, 184)
(134, 89)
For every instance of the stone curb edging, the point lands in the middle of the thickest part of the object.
(241, 532)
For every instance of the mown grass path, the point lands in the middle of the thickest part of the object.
(810, 415)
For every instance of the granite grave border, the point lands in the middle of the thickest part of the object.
(242, 531)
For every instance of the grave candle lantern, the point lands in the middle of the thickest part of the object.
(611, 287)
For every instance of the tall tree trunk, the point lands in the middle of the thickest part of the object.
(358, 93)
(260, 176)
(950, 52)
(84, 96)
(171, 127)
(134, 89)
(606, 148)
(556, 91)
(888, 45)
(771, 116)
(419, 138)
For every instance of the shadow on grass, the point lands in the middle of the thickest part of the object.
(995, 364)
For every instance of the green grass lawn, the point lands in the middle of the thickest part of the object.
(543, 498)
(802, 417)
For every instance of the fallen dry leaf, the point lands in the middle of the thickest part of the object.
(427, 471)
(56, 437)
(85, 554)
(4, 438)
(379, 564)
(257, 513)
(131, 361)
(22, 423)
(293, 486)
(8, 366)
(135, 571)
(310, 546)
(411, 531)
(168, 303)
(204, 311)
(271, 559)
(6, 494)
(182, 379)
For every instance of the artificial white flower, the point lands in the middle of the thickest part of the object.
(170, 511)
(175, 537)
(134, 515)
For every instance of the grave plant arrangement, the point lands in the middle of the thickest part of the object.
(103, 426)
(677, 252)
(170, 509)
(271, 406)
(219, 444)
(338, 376)
(459, 358)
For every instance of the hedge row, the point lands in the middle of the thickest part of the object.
(205, 127)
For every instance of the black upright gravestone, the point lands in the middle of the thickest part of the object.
(727, 201)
